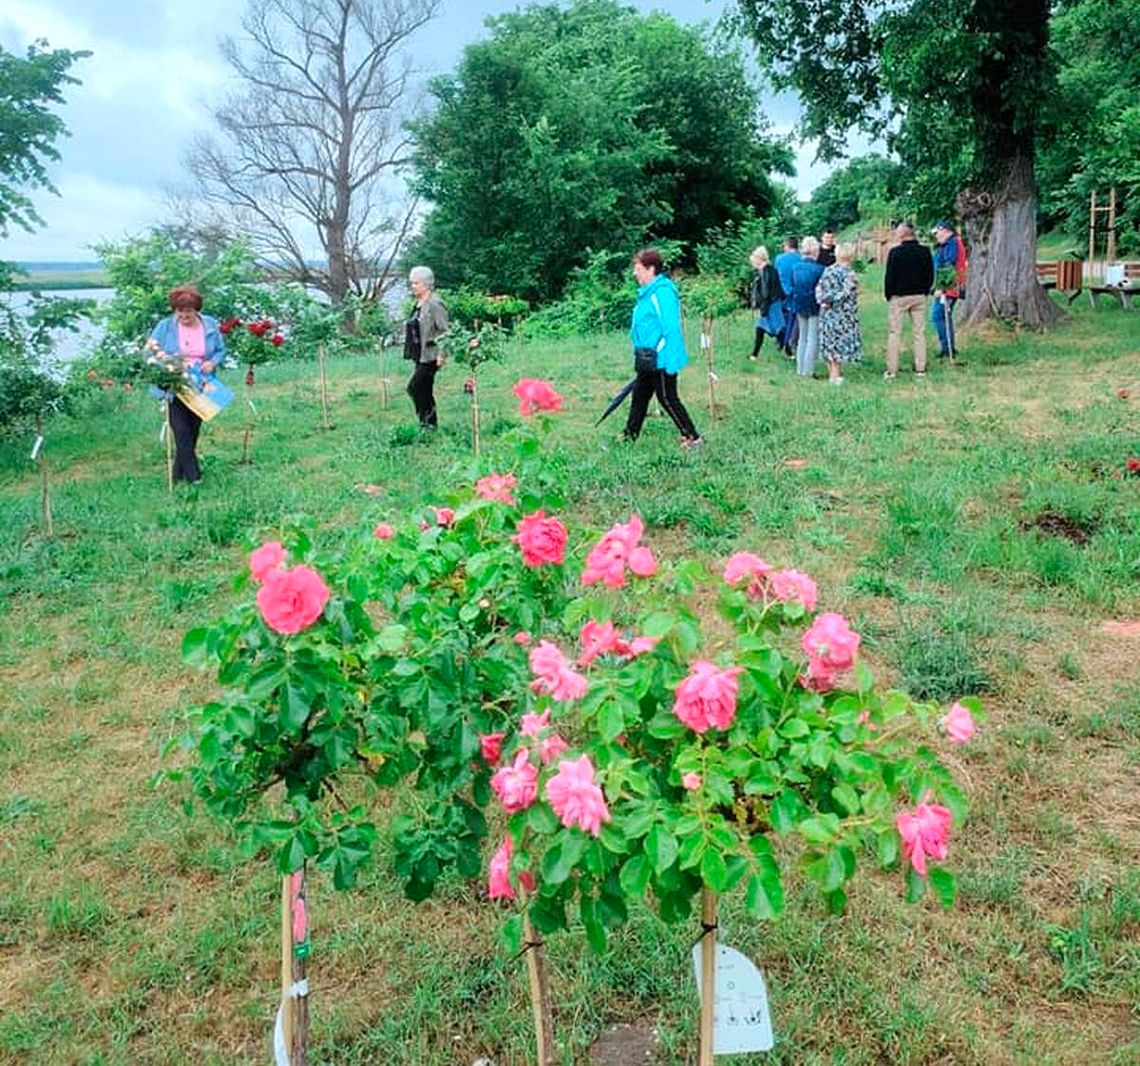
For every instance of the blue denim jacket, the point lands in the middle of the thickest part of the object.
(166, 334)
(657, 324)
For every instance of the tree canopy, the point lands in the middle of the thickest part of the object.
(29, 87)
(585, 128)
(867, 188)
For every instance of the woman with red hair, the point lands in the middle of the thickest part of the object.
(197, 341)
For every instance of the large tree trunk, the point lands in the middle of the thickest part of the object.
(1001, 214)
(1001, 236)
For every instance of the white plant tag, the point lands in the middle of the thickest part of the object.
(162, 432)
(251, 407)
(37, 446)
(741, 1020)
(706, 341)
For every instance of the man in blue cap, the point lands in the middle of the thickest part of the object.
(950, 252)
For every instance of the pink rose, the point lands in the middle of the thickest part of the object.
(265, 559)
(744, 565)
(831, 641)
(491, 745)
(383, 532)
(790, 586)
(575, 798)
(536, 395)
(691, 781)
(541, 540)
(598, 638)
(959, 724)
(533, 724)
(496, 487)
(522, 638)
(550, 748)
(291, 600)
(617, 550)
(553, 674)
(706, 699)
(819, 677)
(499, 873)
(516, 785)
(924, 833)
(444, 516)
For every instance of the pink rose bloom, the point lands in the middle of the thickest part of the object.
(516, 785)
(444, 516)
(598, 638)
(383, 532)
(617, 550)
(496, 487)
(491, 745)
(790, 586)
(499, 873)
(541, 540)
(424, 527)
(819, 676)
(745, 565)
(706, 699)
(575, 798)
(959, 724)
(536, 395)
(638, 646)
(553, 674)
(550, 748)
(265, 559)
(533, 724)
(291, 600)
(924, 833)
(522, 638)
(831, 641)
(691, 781)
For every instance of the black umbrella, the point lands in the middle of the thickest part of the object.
(616, 402)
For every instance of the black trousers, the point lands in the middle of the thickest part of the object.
(420, 389)
(185, 425)
(664, 386)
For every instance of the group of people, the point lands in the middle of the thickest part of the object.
(808, 300)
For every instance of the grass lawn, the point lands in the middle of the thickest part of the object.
(974, 525)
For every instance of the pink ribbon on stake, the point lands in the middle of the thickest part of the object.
(300, 914)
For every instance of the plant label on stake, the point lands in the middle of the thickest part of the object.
(37, 446)
(741, 1020)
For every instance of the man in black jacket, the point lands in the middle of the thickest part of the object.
(910, 276)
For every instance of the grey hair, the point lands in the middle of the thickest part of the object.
(423, 274)
(809, 246)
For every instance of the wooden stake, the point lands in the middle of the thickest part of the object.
(287, 1001)
(707, 344)
(324, 387)
(383, 376)
(1092, 227)
(169, 447)
(1110, 248)
(708, 977)
(247, 441)
(475, 415)
(45, 488)
(539, 993)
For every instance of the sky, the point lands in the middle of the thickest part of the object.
(146, 92)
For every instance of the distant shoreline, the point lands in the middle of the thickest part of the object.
(52, 277)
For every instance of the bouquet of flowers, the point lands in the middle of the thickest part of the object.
(251, 342)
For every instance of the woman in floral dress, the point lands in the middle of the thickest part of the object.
(838, 294)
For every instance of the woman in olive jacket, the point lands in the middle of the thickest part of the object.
(422, 332)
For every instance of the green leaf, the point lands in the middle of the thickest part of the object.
(847, 798)
(661, 847)
(194, 645)
(511, 934)
(819, 830)
(665, 725)
(942, 883)
(794, 728)
(611, 720)
(292, 856)
(714, 871)
(692, 848)
(294, 708)
(391, 638)
(634, 876)
(764, 896)
(560, 859)
(786, 810)
(915, 885)
(541, 819)
(887, 848)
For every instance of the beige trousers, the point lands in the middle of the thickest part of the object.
(913, 307)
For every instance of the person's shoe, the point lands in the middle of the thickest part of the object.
(692, 442)
(920, 373)
(836, 381)
(754, 358)
(888, 376)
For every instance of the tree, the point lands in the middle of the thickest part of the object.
(28, 128)
(866, 188)
(973, 78)
(569, 131)
(310, 149)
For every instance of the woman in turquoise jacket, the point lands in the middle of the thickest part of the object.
(659, 348)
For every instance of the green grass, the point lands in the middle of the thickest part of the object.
(131, 933)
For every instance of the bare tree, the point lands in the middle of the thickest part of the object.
(310, 148)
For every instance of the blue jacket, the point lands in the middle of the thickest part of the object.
(166, 334)
(805, 276)
(784, 264)
(657, 324)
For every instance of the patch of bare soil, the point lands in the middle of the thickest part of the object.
(624, 1045)
(1055, 524)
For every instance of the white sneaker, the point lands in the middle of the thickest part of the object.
(888, 376)
(836, 381)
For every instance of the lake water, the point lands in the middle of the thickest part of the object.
(68, 345)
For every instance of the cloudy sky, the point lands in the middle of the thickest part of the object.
(146, 91)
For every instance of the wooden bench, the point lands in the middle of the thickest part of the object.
(1064, 275)
(1123, 292)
